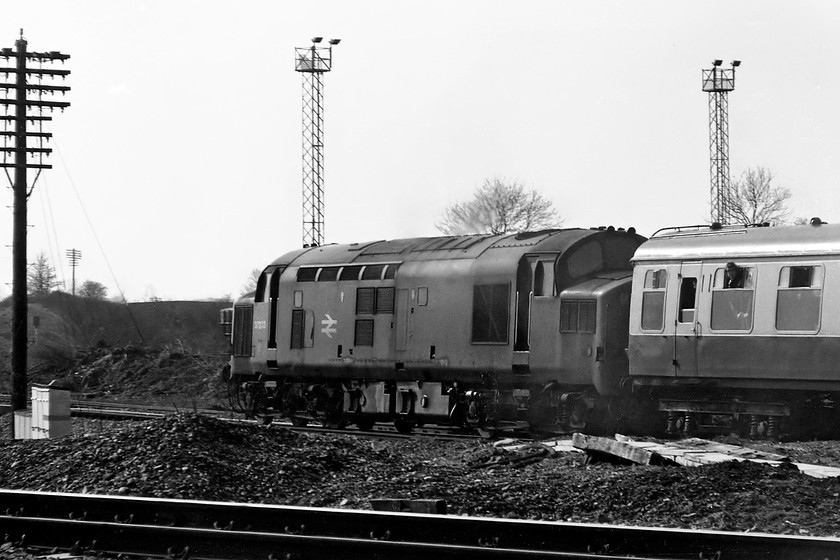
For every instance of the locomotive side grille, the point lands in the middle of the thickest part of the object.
(243, 326)
(297, 329)
(586, 317)
(364, 332)
(384, 300)
(568, 316)
(365, 301)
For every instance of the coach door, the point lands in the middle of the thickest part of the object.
(686, 325)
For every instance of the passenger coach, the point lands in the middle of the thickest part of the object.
(738, 321)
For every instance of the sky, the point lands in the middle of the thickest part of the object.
(177, 167)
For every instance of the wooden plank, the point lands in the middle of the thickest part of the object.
(615, 448)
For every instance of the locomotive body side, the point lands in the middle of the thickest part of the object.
(738, 321)
(452, 329)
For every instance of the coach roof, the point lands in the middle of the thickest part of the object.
(742, 242)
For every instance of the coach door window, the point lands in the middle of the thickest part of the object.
(732, 298)
(798, 298)
(688, 296)
(653, 300)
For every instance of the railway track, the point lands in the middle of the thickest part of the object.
(214, 530)
(87, 408)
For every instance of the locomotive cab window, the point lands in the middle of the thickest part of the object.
(798, 298)
(732, 298)
(653, 300)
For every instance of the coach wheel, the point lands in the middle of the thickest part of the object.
(403, 426)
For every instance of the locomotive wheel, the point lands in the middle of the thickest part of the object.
(335, 423)
(365, 424)
(299, 422)
(403, 426)
(265, 420)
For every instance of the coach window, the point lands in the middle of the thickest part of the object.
(732, 305)
(688, 297)
(653, 300)
(798, 298)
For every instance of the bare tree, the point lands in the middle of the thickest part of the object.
(500, 207)
(40, 278)
(251, 284)
(93, 290)
(756, 201)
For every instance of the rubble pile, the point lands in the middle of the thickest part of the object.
(197, 457)
(168, 376)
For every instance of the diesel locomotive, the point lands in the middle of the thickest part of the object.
(698, 328)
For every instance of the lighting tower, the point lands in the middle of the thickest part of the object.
(719, 82)
(312, 62)
(74, 256)
(30, 70)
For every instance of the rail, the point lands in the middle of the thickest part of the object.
(214, 530)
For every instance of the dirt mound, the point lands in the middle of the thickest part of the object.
(189, 456)
(169, 376)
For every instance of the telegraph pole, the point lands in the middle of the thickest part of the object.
(74, 256)
(29, 73)
(719, 82)
(312, 62)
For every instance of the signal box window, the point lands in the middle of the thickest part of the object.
(798, 298)
(491, 313)
(653, 300)
(732, 299)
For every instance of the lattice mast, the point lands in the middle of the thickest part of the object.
(719, 82)
(25, 95)
(312, 62)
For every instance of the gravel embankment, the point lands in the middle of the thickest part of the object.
(189, 456)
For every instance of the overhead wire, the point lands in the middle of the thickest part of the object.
(98, 242)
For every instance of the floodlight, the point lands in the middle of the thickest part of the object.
(717, 62)
(317, 39)
(736, 63)
(335, 41)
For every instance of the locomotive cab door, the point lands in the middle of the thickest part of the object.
(687, 328)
